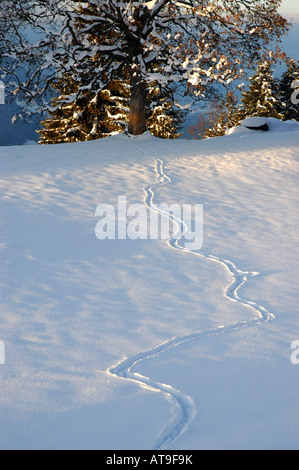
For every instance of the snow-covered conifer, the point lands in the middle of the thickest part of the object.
(88, 117)
(260, 99)
(285, 88)
(191, 42)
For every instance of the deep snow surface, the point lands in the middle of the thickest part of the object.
(73, 308)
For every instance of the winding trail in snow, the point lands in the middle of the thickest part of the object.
(186, 409)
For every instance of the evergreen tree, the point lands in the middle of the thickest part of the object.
(260, 98)
(163, 120)
(192, 42)
(265, 97)
(87, 116)
(223, 117)
(284, 91)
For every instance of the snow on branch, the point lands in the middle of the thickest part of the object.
(164, 41)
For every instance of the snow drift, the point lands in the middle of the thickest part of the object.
(74, 308)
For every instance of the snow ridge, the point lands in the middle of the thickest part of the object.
(186, 409)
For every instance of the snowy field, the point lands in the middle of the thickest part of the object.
(140, 344)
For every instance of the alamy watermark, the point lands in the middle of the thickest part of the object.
(2, 93)
(295, 353)
(136, 221)
(2, 353)
(295, 94)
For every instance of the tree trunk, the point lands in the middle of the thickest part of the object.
(137, 120)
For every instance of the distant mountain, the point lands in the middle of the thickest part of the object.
(18, 133)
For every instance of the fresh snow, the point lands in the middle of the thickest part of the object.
(254, 122)
(140, 344)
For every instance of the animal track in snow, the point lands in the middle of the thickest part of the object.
(186, 409)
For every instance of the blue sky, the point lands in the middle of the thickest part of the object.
(290, 7)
